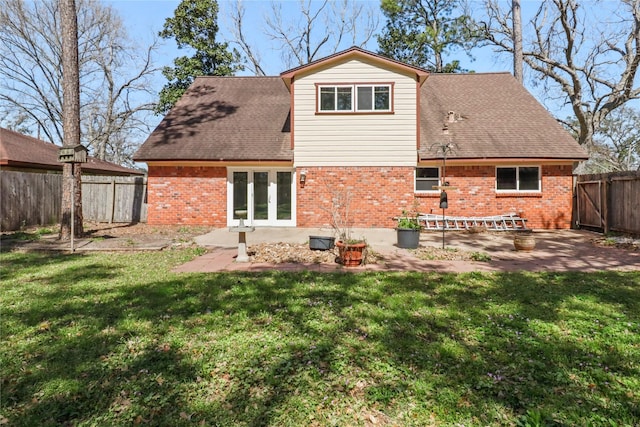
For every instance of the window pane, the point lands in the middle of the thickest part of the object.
(427, 173)
(327, 99)
(427, 178)
(529, 179)
(426, 184)
(365, 98)
(344, 99)
(382, 98)
(506, 179)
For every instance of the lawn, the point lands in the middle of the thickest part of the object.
(117, 339)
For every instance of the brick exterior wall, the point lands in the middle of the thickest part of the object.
(378, 194)
(187, 195)
(198, 195)
(475, 196)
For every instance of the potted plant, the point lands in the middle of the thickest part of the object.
(351, 252)
(408, 231)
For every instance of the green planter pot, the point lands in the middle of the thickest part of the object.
(408, 238)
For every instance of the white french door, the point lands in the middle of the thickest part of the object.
(265, 197)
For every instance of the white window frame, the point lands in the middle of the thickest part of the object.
(354, 97)
(416, 179)
(335, 98)
(517, 189)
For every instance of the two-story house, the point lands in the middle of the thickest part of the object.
(357, 126)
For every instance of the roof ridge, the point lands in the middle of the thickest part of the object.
(238, 77)
(483, 73)
(20, 134)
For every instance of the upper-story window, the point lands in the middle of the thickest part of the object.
(354, 98)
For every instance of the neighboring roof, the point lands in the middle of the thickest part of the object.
(354, 52)
(494, 117)
(225, 119)
(19, 150)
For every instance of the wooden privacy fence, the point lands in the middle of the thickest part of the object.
(29, 199)
(609, 202)
(114, 198)
(33, 199)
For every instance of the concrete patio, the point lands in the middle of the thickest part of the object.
(557, 250)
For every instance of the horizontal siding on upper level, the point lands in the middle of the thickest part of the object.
(355, 139)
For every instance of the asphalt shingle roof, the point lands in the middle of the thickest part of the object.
(494, 117)
(247, 118)
(225, 118)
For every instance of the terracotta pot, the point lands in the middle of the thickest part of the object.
(524, 240)
(350, 254)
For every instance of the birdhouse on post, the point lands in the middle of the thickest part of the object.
(75, 154)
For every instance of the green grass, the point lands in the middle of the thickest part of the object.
(117, 339)
(29, 235)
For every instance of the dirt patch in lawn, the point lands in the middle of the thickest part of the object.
(174, 232)
(282, 253)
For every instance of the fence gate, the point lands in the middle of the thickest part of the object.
(591, 204)
(609, 202)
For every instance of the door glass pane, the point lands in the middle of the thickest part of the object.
(284, 195)
(240, 193)
(261, 195)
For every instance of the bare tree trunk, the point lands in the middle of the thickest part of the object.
(517, 40)
(70, 118)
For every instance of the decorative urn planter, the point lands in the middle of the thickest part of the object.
(350, 254)
(408, 238)
(524, 240)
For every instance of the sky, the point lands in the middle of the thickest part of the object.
(145, 18)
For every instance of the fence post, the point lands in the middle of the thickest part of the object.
(113, 200)
(606, 182)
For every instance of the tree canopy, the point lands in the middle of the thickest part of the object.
(616, 145)
(195, 26)
(319, 28)
(421, 32)
(585, 58)
(115, 96)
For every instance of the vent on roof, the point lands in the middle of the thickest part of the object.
(453, 117)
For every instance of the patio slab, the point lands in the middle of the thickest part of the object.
(561, 250)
